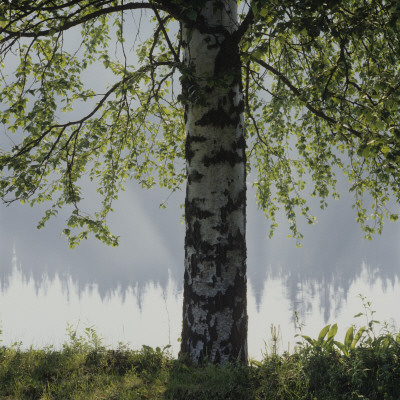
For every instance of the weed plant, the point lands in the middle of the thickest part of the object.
(365, 366)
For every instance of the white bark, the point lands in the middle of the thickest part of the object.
(214, 314)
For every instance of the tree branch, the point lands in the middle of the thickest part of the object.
(27, 147)
(161, 22)
(297, 92)
(164, 5)
(243, 27)
(71, 24)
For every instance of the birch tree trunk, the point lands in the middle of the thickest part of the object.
(214, 301)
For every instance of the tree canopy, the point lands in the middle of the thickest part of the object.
(320, 79)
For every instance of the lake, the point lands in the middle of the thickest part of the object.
(133, 293)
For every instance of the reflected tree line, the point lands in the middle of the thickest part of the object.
(331, 258)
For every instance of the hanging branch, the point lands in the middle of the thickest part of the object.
(298, 93)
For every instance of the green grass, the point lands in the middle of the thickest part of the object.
(364, 366)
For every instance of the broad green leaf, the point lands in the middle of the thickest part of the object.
(323, 333)
(358, 336)
(309, 340)
(342, 347)
(348, 340)
(332, 332)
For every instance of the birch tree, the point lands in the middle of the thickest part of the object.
(294, 92)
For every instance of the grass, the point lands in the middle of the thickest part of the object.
(365, 366)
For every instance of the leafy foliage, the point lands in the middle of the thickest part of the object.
(133, 127)
(321, 96)
(329, 74)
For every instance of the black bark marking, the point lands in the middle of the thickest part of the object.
(218, 261)
(198, 139)
(212, 46)
(222, 156)
(189, 153)
(194, 176)
(193, 211)
(185, 113)
(218, 118)
(220, 301)
(228, 60)
(194, 271)
(231, 205)
(190, 314)
(217, 358)
(238, 109)
(201, 247)
(240, 143)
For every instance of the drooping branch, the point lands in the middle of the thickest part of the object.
(70, 24)
(298, 93)
(28, 146)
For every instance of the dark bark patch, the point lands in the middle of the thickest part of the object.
(194, 269)
(185, 114)
(232, 206)
(218, 118)
(238, 109)
(213, 305)
(219, 263)
(240, 143)
(189, 153)
(222, 228)
(193, 211)
(198, 139)
(217, 358)
(228, 60)
(196, 233)
(222, 156)
(238, 242)
(194, 176)
(212, 46)
(190, 314)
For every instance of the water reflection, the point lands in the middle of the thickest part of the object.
(40, 316)
(152, 315)
(133, 293)
(332, 258)
(151, 245)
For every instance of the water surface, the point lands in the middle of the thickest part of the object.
(133, 293)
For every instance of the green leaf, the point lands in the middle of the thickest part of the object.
(332, 332)
(385, 149)
(309, 340)
(358, 337)
(342, 347)
(323, 333)
(348, 340)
